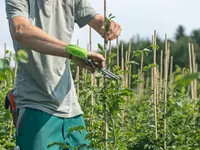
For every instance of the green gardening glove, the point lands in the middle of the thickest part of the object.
(77, 51)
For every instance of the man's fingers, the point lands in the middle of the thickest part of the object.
(96, 57)
(89, 68)
(113, 32)
(102, 64)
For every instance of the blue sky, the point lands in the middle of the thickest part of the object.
(135, 16)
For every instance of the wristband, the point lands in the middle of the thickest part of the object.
(76, 51)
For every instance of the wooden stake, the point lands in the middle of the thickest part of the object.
(155, 86)
(152, 79)
(110, 52)
(158, 86)
(122, 62)
(147, 83)
(197, 81)
(194, 71)
(161, 70)
(166, 64)
(5, 50)
(117, 44)
(92, 79)
(123, 77)
(126, 78)
(105, 84)
(130, 67)
(140, 74)
(77, 75)
(130, 76)
(171, 78)
(191, 69)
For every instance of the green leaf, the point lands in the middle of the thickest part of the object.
(132, 62)
(134, 76)
(112, 55)
(155, 46)
(137, 53)
(186, 79)
(7, 51)
(77, 128)
(2, 76)
(146, 51)
(112, 17)
(145, 68)
(4, 64)
(21, 56)
(101, 47)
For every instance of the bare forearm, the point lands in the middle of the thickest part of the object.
(97, 23)
(36, 39)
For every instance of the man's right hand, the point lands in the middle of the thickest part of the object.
(95, 57)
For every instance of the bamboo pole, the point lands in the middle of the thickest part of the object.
(191, 70)
(166, 65)
(105, 83)
(158, 85)
(155, 86)
(147, 83)
(130, 67)
(122, 62)
(197, 81)
(194, 71)
(123, 77)
(129, 51)
(77, 75)
(142, 86)
(117, 44)
(171, 75)
(126, 85)
(152, 79)
(161, 70)
(197, 94)
(140, 74)
(5, 50)
(130, 76)
(127, 68)
(110, 52)
(92, 79)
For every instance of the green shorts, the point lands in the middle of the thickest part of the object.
(36, 130)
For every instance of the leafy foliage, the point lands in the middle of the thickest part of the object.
(130, 124)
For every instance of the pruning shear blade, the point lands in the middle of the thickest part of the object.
(106, 72)
(109, 74)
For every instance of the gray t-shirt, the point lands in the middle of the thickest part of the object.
(46, 83)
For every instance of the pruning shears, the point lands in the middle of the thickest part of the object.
(82, 54)
(106, 72)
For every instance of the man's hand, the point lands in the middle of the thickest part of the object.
(113, 32)
(97, 58)
(97, 23)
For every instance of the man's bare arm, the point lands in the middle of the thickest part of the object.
(33, 37)
(97, 23)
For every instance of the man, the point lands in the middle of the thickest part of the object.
(44, 91)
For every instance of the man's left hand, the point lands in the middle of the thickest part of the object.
(97, 23)
(113, 32)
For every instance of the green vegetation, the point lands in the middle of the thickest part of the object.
(130, 105)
